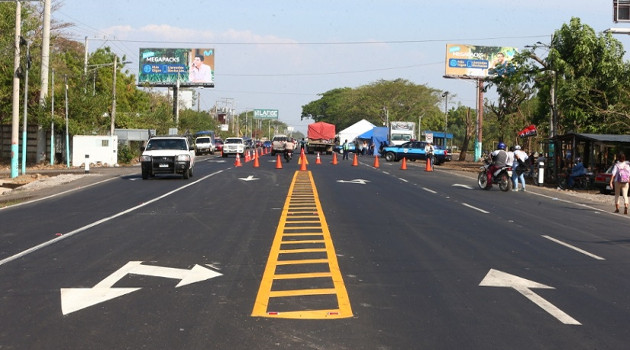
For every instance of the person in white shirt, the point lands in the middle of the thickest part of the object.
(519, 168)
(199, 72)
(428, 151)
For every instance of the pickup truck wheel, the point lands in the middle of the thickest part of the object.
(145, 174)
(186, 174)
(190, 172)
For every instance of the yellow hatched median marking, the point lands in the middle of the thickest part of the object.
(302, 216)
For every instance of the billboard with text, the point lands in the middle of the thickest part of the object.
(470, 61)
(167, 66)
(265, 114)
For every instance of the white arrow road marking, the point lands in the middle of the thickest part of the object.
(464, 186)
(496, 278)
(249, 178)
(355, 181)
(74, 299)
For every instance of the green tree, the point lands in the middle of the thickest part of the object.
(400, 100)
(590, 78)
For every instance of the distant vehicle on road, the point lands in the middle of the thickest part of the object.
(203, 144)
(413, 150)
(234, 146)
(218, 145)
(167, 155)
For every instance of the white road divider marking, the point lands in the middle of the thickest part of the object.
(473, 207)
(574, 248)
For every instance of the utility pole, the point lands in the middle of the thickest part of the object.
(52, 119)
(41, 133)
(478, 145)
(113, 116)
(25, 122)
(16, 93)
(445, 95)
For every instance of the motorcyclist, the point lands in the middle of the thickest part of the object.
(499, 159)
(289, 146)
(578, 170)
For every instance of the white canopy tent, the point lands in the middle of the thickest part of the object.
(354, 130)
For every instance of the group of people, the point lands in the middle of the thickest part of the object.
(514, 157)
(517, 159)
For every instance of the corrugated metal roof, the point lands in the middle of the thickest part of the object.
(598, 137)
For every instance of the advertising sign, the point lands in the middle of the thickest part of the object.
(167, 67)
(265, 114)
(477, 62)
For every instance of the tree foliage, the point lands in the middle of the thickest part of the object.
(396, 100)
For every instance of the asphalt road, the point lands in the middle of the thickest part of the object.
(393, 259)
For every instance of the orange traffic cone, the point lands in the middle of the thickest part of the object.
(303, 166)
(334, 158)
(278, 162)
(376, 165)
(404, 164)
(428, 167)
(318, 161)
(237, 162)
(256, 163)
(355, 160)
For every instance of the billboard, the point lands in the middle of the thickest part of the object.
(478, 62)
(265, 114)
(164, 67)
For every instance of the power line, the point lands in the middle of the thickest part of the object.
(324, 42)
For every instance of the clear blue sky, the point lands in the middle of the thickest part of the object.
(281, 54)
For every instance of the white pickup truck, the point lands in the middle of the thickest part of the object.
(234, 145)
(167, 155)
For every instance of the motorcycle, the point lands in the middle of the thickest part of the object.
(502, 177)
(288, 155)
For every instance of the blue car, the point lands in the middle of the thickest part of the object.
(413, 150)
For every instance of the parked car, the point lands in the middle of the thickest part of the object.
(267, 144)
(413, 150)
(338, 148)
(602, 181)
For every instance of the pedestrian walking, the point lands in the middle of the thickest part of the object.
(621, 176)
(519, 167)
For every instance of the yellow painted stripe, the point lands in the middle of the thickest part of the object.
(290, 276)
(302, 189)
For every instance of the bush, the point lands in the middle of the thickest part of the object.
(126, 154)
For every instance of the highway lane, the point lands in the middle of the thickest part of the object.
(411, 256)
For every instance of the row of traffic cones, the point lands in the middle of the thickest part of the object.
(303, 161)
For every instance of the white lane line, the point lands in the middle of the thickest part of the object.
(98, 222)
(478, 209)
(574, 248)
(58, 194)
(401, 179)
(429, 190)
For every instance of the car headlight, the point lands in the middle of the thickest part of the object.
(183, 158)
(144, 158)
